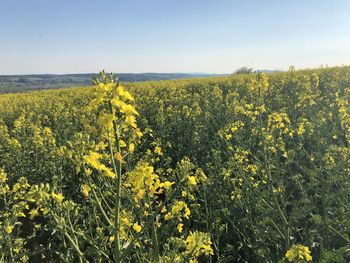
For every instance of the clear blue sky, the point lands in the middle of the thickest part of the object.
(75, 36)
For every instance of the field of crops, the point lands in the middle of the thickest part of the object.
(245, 168)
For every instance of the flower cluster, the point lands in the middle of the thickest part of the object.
(298, 253)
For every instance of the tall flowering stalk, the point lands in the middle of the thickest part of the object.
(117, 106)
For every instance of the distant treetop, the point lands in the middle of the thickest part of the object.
(244, 70)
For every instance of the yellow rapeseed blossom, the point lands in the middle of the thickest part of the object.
(137, 227)
(128, 109)
(166, 185)
(158, 150)
(179, 209)
(191, 181)
(34, 213)
(198, 243)
(137, 132)
(131, 147)
(298, 253)
(85, 189)
(122, 143)
(44, 210)
(9, 229)
(106, 121)
(131, 120)
(3, 176)
(301, 129)
(93, 159)
(57, 197)
(143, 180)
(180, 227)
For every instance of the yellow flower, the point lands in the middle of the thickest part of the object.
(187, 212)
(3, 176)
(99, 230)
(137, 227)
(124, 94)
(127, 96)
(128, 109)
(88, 172)
(176, 209)
(106, 121)
(191, 181)
(301, 130)
(116, 102)
(118, 156)
(308, 257)
(290, 255)
(125, 220)
(180, 227)
(34, 213)
(21, 214)
(111, 239)
(44, 210)
(138, 132)
(85, 189)
(198, 243)
(167, 185)
(131, 147)
(9, 229)
(122, 143)
(93, 159)
(298, 252)
(131, 120)
(158, 150)
(143, 180)
(107, 172)
(120, 90)
(58, 197)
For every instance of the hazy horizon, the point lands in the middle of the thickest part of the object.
(97, 72)
(189, 73)
(66, 37)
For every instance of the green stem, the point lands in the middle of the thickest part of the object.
(118, 171)
(69, 238)
(339, 234)
(155, 241)
(100, 206)
(154, 233)
(270, 185)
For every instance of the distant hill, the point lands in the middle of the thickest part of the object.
(15, 83)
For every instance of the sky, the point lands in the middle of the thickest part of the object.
(83, 36)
